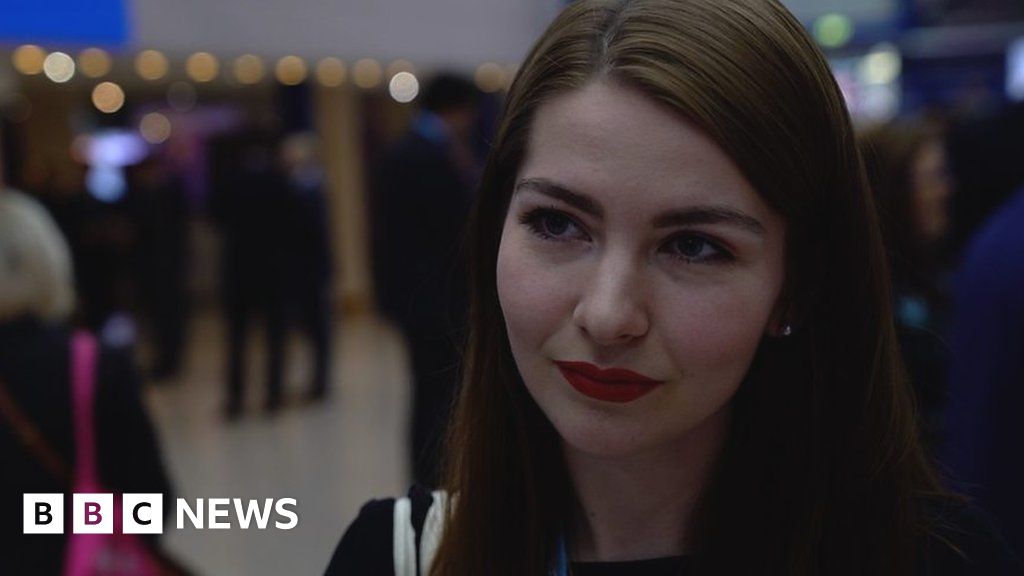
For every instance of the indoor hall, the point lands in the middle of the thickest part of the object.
(237, 235)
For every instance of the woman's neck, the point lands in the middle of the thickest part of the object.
(641, 506)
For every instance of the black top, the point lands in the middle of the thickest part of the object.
(366, 547)
(420, 205)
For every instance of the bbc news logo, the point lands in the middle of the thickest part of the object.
(144, 513)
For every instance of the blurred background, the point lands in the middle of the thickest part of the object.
(260, 206)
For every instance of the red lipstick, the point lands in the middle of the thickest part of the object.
(607, 384)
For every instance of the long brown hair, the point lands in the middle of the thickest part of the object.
(822, 466)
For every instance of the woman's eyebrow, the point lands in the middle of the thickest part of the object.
(549, 188)
(681, 217)
(709, 215)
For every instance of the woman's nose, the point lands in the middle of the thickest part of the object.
(611, 308)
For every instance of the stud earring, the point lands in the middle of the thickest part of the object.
(787, 330)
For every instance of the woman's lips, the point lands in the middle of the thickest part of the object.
(609, 384)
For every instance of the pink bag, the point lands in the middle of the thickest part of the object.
(114, 554)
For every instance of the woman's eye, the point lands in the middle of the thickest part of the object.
(557, 226)
(551, 224)
(695, 249)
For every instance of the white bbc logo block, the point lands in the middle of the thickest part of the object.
(42, 514)
(142, 513)
(93, 514)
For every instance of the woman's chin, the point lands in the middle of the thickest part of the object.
(606, 440)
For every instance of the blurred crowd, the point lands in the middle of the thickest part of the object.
(78, 262)
(951, 203)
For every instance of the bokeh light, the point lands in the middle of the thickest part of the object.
(202, 67)
(404, 87)
(882, 65)
(291, 70)
(833, 30)
(151, 65)
(489, 77)
(28, 59)
(155, 128)
(330, 72)
(94, 62)
(367, 73)
(248, 69)
(108, 97)
(59, 67)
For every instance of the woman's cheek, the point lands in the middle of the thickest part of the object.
(713, 330)
(532, 294)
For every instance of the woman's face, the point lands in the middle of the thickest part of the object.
(632, 241)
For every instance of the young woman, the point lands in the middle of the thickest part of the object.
(681, 356)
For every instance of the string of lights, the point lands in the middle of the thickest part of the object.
(245, 70)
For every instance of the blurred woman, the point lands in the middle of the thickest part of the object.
(908, 173)
(37, 443)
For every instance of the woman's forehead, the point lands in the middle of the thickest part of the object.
(605, 139)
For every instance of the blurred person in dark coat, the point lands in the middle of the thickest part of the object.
(249, 200)
(36, 299)
(984, 419)
(422, 195)
(161, 212)
(907, 168)
(308, 247)
(104, 241)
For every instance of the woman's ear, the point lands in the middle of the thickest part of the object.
(780, 323)
(784, 318)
